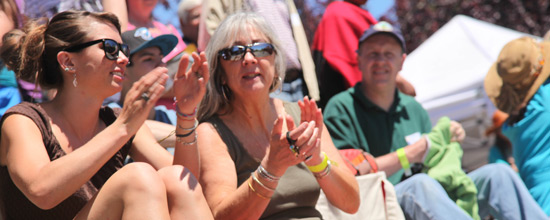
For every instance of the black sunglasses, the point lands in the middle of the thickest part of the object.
(111, 48)
(237, 52)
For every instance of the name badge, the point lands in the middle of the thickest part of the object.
(413, 138)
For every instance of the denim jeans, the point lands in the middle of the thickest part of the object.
(501, 193)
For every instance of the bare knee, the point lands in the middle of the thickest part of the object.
(180, 181)
(141, 178)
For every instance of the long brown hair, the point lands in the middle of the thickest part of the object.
(31, 52)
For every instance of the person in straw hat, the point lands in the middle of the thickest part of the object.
(517, 83)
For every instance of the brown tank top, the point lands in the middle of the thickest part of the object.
(297, 192)
(17, 206)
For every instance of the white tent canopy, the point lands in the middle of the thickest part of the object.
(448, 69)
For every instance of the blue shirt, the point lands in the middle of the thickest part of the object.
(531, 140)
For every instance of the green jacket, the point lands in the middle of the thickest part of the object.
(443, 163)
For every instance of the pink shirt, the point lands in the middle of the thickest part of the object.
(165, 29)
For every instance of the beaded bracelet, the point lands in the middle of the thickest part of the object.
(256, 192)
(179, 140)
(266, 175)
(179, 113)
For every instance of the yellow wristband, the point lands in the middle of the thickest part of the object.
(319, 167)
(404, 161)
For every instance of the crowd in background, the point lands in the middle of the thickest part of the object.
(232, 109)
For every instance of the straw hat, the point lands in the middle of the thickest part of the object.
(522, 66)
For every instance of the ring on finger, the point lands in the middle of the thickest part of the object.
(145, 96)
(198, 75)
(295, 150)
(288, 139)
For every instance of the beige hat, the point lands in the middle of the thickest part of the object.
(522, 66)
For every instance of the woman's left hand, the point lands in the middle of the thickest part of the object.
(310, 112)
(190, 87)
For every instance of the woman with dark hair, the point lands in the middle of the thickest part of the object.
(256, 163)
(63, 159)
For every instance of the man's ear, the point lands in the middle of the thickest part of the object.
(64, 59)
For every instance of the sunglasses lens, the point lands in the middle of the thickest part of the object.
(262, 49)
(125, 50)
(236, 52)
(111, 49)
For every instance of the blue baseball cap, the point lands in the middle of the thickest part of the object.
(386, 28)
(140, 38)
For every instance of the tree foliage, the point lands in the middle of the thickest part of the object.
(421, 18)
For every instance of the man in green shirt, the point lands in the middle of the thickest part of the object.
(375, 117)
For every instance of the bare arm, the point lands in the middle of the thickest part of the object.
(162, 131)
(119, 8)
(404, 86)
(47, 183)
(390, 162)
(189, 88)
(146, 149)
(218, 179)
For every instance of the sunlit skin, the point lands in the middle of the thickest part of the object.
(250, 75)
(96, 73)
(380, 60)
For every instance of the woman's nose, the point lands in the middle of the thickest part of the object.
(249, 57)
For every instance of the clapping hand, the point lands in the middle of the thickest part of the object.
(310, 112)
(142, 97)
(281, 154)
(190, 87)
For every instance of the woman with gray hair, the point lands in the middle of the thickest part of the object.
(256, 162)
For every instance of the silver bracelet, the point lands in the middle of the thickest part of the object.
(266, 175)
(325, 172)
(192, 128)
(261, 184)
(180, 140)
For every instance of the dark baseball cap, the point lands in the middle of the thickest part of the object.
(386, 28)
(140, 38)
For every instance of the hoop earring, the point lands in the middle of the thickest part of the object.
(74, 81)
(225, 96)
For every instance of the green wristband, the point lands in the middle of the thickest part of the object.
(404, 161)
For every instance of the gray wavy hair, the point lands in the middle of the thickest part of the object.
(234, 27)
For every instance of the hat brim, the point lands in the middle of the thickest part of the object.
(544, 73)
(493, 81)
(166, 43)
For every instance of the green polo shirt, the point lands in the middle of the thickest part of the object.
(355, 122)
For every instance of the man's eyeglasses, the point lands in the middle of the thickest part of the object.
(111, 48)
(237, 52)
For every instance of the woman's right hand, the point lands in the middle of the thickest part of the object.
(141, 98)
(279, 156)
